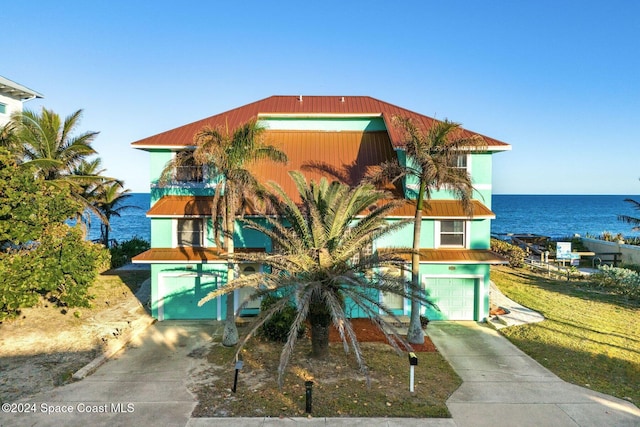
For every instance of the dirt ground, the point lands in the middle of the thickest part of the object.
(45, 345)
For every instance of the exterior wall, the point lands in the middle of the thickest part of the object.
(161, 232)
(248, 238)
(480, 234)
(629, 254)
(11, 106)
(369, 124)
(478, 166)
(403, 237)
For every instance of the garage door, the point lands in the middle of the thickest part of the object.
(178, 297)
(455, 297)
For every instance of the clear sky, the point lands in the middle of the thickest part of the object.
(559, 80)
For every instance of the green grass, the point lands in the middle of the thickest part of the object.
(589, 338)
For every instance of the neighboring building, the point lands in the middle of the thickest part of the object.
(12, 96)
(350, 133)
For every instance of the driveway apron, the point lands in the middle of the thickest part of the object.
(502, 385)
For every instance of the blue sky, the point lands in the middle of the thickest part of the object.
(558, 80)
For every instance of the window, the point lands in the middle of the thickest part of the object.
(364, 252)
(452, 233)
(188, 171)
(459, 161)
(190, 232)
(3, 108)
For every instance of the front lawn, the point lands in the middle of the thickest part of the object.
(589, 338)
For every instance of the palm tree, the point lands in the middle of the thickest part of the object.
(110, 203)
(630, 219)
(227, 155)
(320, 262)
(46, 143)
(431, 160)
(88, 174)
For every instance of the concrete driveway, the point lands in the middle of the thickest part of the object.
(502, 385)
(144, 385)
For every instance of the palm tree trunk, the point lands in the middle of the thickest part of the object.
(230, 332)
(415, 334)
(320, 320)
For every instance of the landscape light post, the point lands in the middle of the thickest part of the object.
(413, 362)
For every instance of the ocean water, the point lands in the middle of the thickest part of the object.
(559, 216)
(555, 216)
(131, 223)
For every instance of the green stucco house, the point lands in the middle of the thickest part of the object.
(318, 133)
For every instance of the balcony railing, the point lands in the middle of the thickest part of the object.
(189, 174)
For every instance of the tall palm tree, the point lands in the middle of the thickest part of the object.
(431, 160)
(315, 265)
(110, 203)
(227, 156)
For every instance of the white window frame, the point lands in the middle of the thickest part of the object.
(203, 233)
(467, 160)
(465, 234)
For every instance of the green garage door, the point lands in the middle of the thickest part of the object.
(179, 295)
(455, 297)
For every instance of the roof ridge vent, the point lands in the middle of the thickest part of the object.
(300, 98)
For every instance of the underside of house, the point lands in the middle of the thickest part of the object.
(338, 137)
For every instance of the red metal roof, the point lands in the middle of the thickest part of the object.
(182, 206)
(310, 105)
(185, 255)
(455, 256)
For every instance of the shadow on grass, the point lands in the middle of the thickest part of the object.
(574, 288)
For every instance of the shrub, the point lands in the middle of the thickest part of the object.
(122, 253)
(278, 326)
(514, 254)
(61, 266)
(618, 280)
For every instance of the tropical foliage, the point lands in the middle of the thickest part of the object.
(622, 281)
(319, 263)
(122, 253)
(513, 253)
(227, 155)
(432, 157)
(39, 253)
(50, 148)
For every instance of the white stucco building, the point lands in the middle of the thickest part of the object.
(12, 96)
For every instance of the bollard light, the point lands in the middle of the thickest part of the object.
(308, 385)
(239, 364)
(413, 362)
